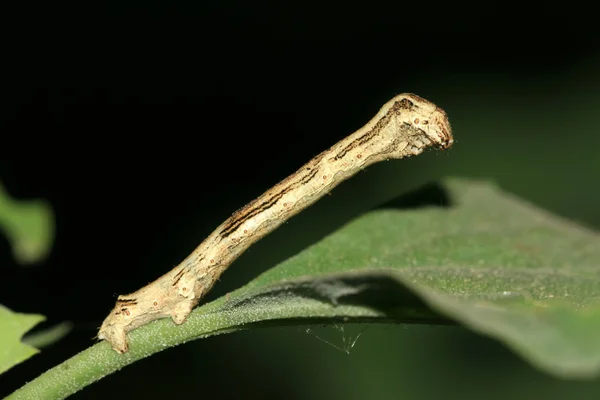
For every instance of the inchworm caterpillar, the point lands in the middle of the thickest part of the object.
(405, 126)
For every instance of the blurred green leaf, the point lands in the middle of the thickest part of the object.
(12, 327)
(29, 227)
(488, 261)
(48, 336)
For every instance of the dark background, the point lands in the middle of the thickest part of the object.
(146, 125)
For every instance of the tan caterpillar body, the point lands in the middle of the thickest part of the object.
(405, 126)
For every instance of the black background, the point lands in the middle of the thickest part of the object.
(146, 124)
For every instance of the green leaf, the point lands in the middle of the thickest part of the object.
(12, 327)
(46, 337)
(488, 261)
(29, 227)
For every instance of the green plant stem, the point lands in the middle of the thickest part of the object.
(211, 319)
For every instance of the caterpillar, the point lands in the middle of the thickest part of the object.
(403, 127)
